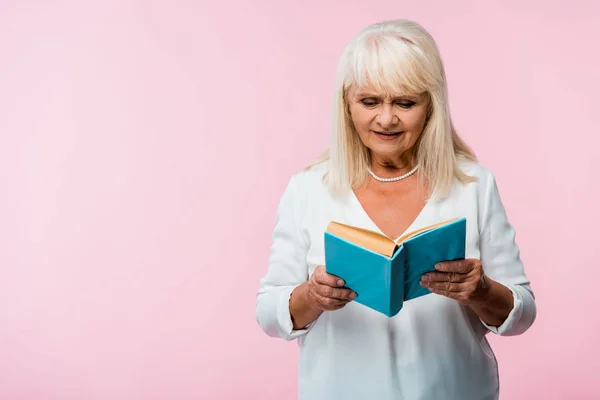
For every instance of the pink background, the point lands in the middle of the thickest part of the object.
(144, 147)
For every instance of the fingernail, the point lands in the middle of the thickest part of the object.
(352, 295)
(340, 282)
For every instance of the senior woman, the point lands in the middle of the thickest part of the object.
(395, 163)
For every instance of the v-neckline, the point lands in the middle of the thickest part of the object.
(376, 227)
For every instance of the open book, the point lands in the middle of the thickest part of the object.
(385, 273)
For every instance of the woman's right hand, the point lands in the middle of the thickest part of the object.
(322, 292)
(326, 291)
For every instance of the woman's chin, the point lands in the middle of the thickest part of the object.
(388, 149)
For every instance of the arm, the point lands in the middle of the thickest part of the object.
(287, 269)
(495, 287)
(510, 307)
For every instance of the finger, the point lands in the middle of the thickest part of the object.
(461, 297)
(335, 293)
(465, 294)
(322, 277)
(328, 303)
(451, 295)
(459, 266)
(444, 277)
(447, 286)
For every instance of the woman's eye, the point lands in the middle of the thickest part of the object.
(369, 103)
(373, 103)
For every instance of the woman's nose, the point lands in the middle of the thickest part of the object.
(387, 117)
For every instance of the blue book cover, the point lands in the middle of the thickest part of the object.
(383, 273)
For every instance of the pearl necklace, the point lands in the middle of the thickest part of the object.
(397, 178)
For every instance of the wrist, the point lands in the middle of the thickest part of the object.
(484, 292)
(495, 303)
(302, 307)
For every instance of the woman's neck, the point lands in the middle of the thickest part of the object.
(389, 167)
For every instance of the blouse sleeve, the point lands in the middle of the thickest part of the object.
(287, 267)
(501, 262)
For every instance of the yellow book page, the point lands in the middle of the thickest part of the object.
(363, 237)
(414, 233)
(375, 241)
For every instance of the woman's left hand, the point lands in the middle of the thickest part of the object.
(461, 280)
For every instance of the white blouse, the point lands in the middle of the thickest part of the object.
(435, 348)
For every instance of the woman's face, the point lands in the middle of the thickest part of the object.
(389, 127)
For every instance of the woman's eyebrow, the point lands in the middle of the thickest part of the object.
(404, 97)
(366, 94)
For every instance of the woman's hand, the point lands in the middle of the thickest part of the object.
(461, 280)
(465, 282)
(322, 292)
(327, 291)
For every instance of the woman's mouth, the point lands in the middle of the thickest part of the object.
(387, 135)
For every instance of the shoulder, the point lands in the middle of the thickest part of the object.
(476, 170)
(311, 179)
(483, 177)
(304, 197)
(484, 189)
(304, 185)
